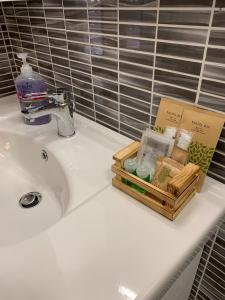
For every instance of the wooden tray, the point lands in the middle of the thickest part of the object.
(163, 202)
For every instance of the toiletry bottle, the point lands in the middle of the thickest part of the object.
(180, 150)
(170, 132)
(143, 173)
(130, 165)
(31, 91)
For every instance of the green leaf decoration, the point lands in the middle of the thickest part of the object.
(200, 155)
(159, 129)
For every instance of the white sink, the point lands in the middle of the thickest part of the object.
(23, 170)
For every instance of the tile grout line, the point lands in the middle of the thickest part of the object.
(46, 28)
(35, 52)
(118, 60)
(205, 52)
(5, 46)
(68, 57)
(91, 65)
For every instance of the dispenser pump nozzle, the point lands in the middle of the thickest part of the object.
(26, 68)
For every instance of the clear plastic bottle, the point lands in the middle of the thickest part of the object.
(30, 85)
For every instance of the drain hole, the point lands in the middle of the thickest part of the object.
(30, 200)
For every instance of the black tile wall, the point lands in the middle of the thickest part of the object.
(7, 64)
(118, 58)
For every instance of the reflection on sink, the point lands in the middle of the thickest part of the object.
(23, 170)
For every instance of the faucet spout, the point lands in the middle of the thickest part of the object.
(61, 110)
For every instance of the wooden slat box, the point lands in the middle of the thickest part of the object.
(161, 201)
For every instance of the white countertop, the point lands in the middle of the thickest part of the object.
(109, 248)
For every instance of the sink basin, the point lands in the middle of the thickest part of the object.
(23, 170)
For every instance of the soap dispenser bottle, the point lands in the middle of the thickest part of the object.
(31, 91)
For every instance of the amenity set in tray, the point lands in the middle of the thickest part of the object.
(168, 166)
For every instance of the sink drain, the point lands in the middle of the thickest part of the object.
(30, 200)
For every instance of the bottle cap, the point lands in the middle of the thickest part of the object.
(130, 165)
(143, 171)
(26, 68)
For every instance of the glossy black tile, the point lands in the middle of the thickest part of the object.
(82, 85)
(36, 12)
(177, 79)
(220, 3)
(106, 111)
(135, 93)
(174, 92)
(103, 40)
(215, 55)
(18, 12)
(107, 122)
(130, 132)
(135, 70)
(144, 3)
(82, 101)
(103, 28)
(59, 34)
(85, 111)
(218, 19)
(81, 57)
(138, 45)
(139, 105)
(76, 25)
(107, 84)
(76, 66)
(60, 61)
(39, 31)
(57, 43)
(34, 22)
(143, 117)
(198, 18)
(131, 16)
(178, 65)
(106, 102)
(195, 52)
(55, 23)
(212, 87)
(74, 3)
(79, 14)
(54, 13)
(77, 37)
(50, 3)
(61, 70)
(133, 123)
(102, 15)
(215, 168)
(104, 63)
(182, 34)
(105, 93)
(102, 3)
(138, 58)
(105, 73)
(59, 52)
(214, 72)
(84, 94)
(81, 76)
(136, 82)
(211, 102)
(217, 37)
(219, 158)
(186, 3)
(104, 52)
(137, 31)
(78, 47)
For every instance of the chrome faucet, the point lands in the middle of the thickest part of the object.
(58, 105)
